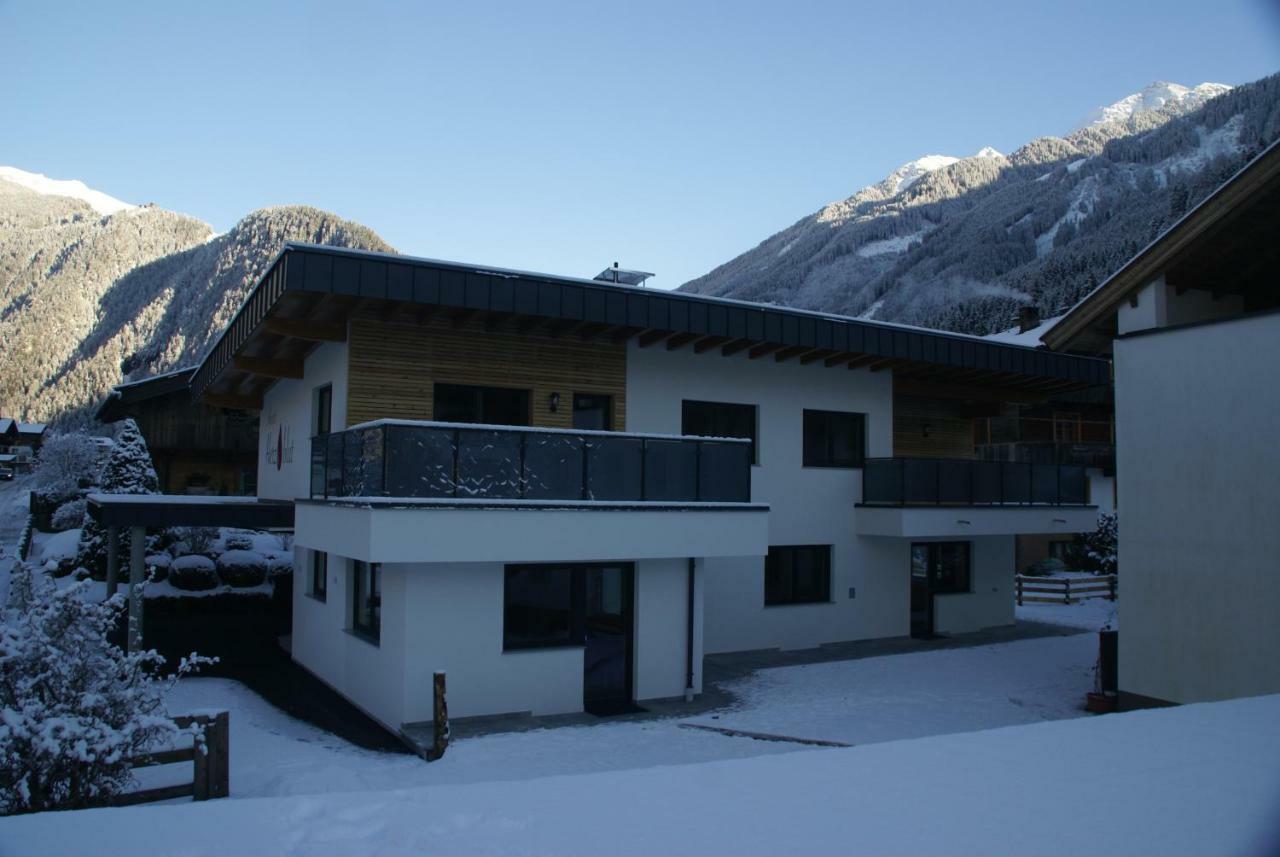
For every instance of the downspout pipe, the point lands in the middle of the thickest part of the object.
(688, 651)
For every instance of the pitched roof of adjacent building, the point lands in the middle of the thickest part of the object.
(115, 406)
(1225, 244)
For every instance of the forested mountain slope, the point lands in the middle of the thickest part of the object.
(961, 244)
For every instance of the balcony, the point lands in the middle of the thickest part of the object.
(1100, 455)
(403, 459)
(922, 497)
(403, 491)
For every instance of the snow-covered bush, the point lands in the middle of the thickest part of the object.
(193, 573)
(67, 464)
(193, 540)
(238, 542)
(1096, 551)
(279, 565)
(241, 568)
(158, 566)
(74, 709)
(69, 516)
(127, 470)
(1046, 567)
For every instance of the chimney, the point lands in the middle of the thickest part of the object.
(1028, 317)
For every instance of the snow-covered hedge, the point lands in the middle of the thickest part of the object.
(238, 541)
(67, 463)
(279, 565)
(74, 709)
(158, 566)
(69, 516)
(241, 568)
(193, 573)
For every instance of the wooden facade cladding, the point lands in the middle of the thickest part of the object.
(931, 428)
(394, 366)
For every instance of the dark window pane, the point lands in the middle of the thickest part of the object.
(366, 599)
(323, 411)
(834, 439)
(719, 419)
(463, 403)
(538, 607)
(797, 574)
(319, 574)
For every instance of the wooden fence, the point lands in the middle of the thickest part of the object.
(1064, 590)
(212, 777)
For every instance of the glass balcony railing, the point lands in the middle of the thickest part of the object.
(403, 459)
(965, 482)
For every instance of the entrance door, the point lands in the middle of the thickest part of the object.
(936, 567)
(921, 592)
(592, 411)
(606, 686)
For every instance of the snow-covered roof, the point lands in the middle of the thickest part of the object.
(1029, 338)
(536, 429)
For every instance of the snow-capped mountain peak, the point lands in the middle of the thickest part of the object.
(988, 152)
(912, 171)
(41, 184)
(1153, 96)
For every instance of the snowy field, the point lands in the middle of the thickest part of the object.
(1196, 780)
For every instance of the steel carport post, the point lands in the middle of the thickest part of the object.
(137, 553)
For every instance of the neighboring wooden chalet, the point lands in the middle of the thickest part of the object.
(19, 442)
(197, 448)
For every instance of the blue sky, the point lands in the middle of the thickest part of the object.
(564, 136)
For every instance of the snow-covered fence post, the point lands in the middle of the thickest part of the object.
(1066, 591)
(212, 768)
(1111, 595)
(1018, 586)
(440, 719)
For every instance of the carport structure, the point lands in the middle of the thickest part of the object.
(137, 512)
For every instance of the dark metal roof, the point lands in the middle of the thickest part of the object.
(112, 407)
(182, 510)
(307, 268)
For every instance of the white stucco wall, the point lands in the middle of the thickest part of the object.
(371, 676)
(807, 505)
(287, 414)
(1197, 417)
(990, 602)
(448, 616)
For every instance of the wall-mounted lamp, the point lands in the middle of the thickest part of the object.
(553, 403)
(962, 521)
(928, 427)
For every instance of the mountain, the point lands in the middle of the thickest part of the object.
(1152, 98)
(94, 291)
(961, 244)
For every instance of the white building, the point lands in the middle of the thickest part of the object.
(1193, 326)
(564, 492)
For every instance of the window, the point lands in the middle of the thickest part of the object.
(366, 599)
(462, 403)
(550, 605)
(720, 419)
(319, 574)
(834, 439)
(322, 411)
(541, 607)
(798, 574)
(943, 565)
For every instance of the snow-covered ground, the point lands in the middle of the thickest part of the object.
(860, 701)
(1195, 780)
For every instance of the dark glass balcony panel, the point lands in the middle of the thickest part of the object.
(1017, 483)
(489, 464)
(670, 470)
(1044, 483)
(920, 480)
(724, 472)
(335, 461)
(419, 461)
(1072, 485)
(882, 480)
(553, 466)
(955, 482)
(615, 468)
(986, 482)
(318, 466)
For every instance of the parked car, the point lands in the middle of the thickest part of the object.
(6, 473)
